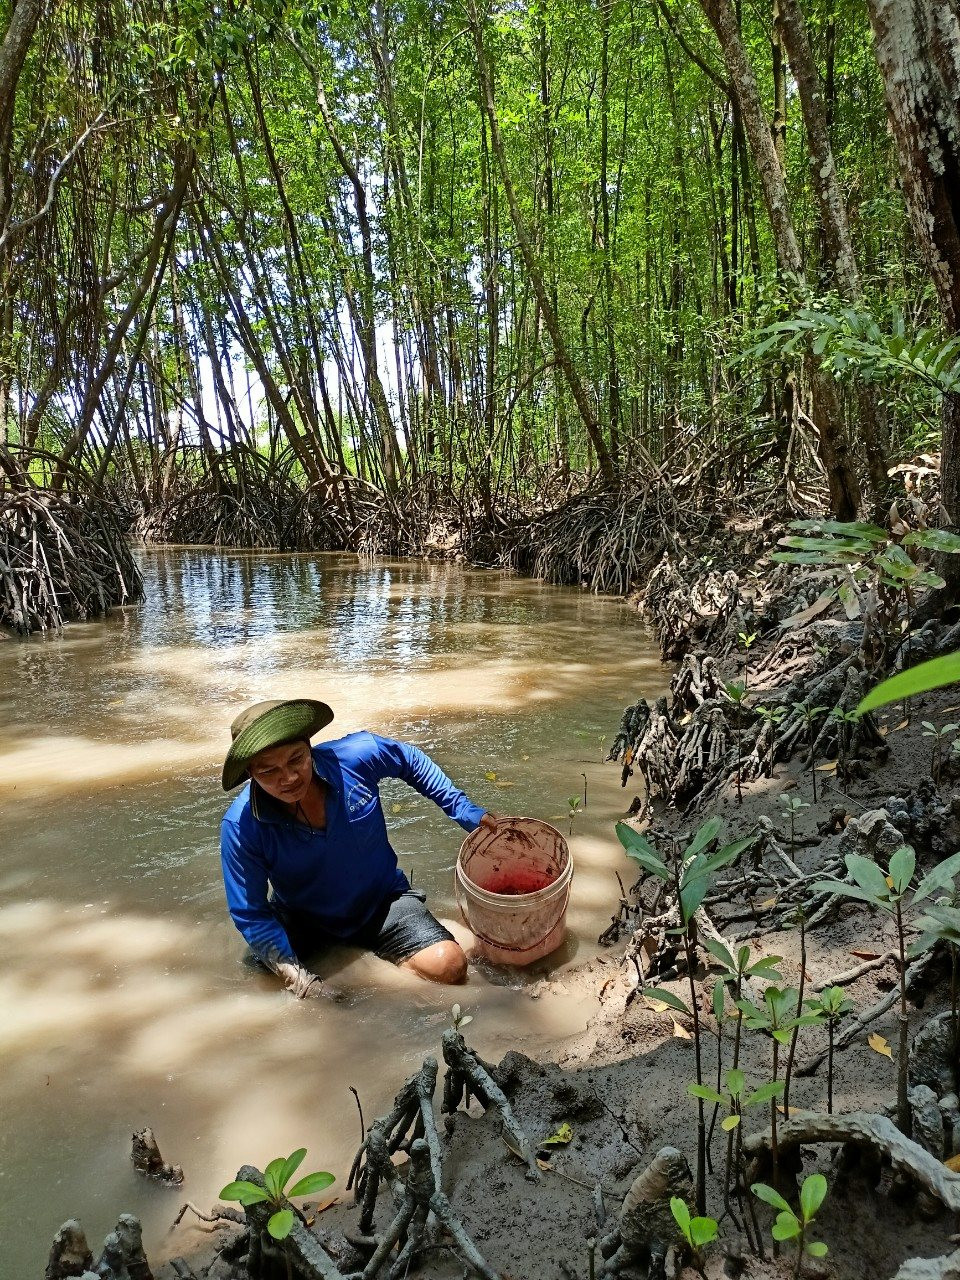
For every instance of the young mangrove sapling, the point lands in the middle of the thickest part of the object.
(791, 1225)
(690, 874)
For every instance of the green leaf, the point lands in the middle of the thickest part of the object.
(932, 540)
(867, 875)
(291, 1165)
(729, 1122)
(280, 1223)
(720, 952)
(668, 998)
(691, 896)
(903, 864)
(764, 1093)
(311, 1184)
(717, 1000)
(771, 1197)
(245, 1192)
(848, 891)
(681, 1214)
(939, 878)
(844, 529)
(812, 1195)
(702, 1231)
(271, 1176)
(920, 679)
(736, 1081)
(641, 851)
(817, 1249)
(767, 967)
(705, 835)
(729, 853)
(705, 1092)
(786, 1227)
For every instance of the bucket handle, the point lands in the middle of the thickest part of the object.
(500, 946)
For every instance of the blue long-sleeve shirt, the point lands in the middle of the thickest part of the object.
(340, 875)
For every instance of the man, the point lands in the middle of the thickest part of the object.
(310, 824)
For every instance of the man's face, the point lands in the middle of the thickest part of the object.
(284, 772)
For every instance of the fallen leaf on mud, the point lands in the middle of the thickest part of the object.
(490, 777)
(561, 1138)
(324, 1205)
(543, 1165)
(829, 767)
(953, 1164)
(766, 905)
(902, 725)
(884, 730)
(656, 1005)
(681, 1033)
(866, 955)
(879, 1045)
(502, 782)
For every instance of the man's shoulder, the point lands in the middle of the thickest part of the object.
(352, 750)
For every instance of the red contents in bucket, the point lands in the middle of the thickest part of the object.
(517, 880)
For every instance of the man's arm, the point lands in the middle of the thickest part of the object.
(245, 881)
(407, 762)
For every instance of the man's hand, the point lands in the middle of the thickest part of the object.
(489, 823)
(306, 985)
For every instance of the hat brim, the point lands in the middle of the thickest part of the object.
(298, 718)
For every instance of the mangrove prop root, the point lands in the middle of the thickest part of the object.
(70, 1255)
(300, 1246)
(466, 1075)
(223, 1214)
(875, 1133)
(147, 1159)
(645, 1230)
(421, 1199)
(412, 1116)
(946, 1268)
(60, 561)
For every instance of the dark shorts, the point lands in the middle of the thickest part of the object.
(398, 930)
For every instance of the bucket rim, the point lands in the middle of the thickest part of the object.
(563, 878)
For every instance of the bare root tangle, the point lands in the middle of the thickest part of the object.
(412, 1117)
(467, 1075)
(598, 539)
(689, 613)
(60, 561)
(877, 1134)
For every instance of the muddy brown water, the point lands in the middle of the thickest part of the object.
(126, 998)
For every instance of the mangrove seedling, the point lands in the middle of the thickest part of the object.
(274, 1191)
(696, 1231)
(737, 693)
(778, 1018)
(460, 1019)
(735, 1099)
(941, 923)
(792, 1226)
(888, 893)
(690, 874)
(748, 641)
(845, 720)
(771, 716)
(600, 742)
(832, 1004)
(573, 804)
(792, 807)
(930, 730)
(809, 716)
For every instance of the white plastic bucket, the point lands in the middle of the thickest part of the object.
(512, 887)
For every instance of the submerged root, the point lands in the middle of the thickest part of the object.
(60, 561)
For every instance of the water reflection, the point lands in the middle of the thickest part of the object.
(125, 993)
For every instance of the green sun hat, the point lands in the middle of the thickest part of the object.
(264, 725)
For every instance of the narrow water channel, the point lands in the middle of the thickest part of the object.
(126, 1000)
